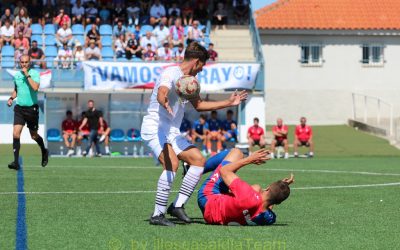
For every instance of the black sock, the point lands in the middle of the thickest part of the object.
(16, 147)
(40, 142)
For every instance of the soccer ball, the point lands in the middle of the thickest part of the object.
(187, 87)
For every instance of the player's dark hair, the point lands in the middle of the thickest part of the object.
(279, 191)
(69, 112)
(214, 112)
(195, 51)
(229, 112)
(90, 100)
(256, 119)
(203, 116)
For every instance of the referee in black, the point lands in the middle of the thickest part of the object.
(26, 111)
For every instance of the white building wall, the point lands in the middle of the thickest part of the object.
(323, 94)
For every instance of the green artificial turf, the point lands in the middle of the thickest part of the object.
(69, 214)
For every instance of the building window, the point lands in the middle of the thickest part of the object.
(372, 54)
(311, 54)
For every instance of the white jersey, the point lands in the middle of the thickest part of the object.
(157, 118)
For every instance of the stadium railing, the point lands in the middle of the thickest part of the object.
(258, 53)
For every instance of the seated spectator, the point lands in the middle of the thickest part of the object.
(79, 55)
(119, 13)
(21, 41)
(161, 33)
(78, 13)
(280, 132)
(7, 33)
(187, 13)
(7, 16)
(93, 52)
(179, 53)
(120, 46)
(48, 14)
(176, 33)
(104, 14)
(69, 128)
(26, 31)
(105, 136)
(212, 53)
(137, 32)
(255, 135)
(199, 132)
(133, 13)
(303, 137)
(173, 12)
(93, 35)
(62, 19)
(91, 13)
(214, 134)
(186, 129)
(18, 53)
(220, 16)
(241, 11)
(145, 6)
(164, 53)
(149, 54)
(195, 34)
(65, 56)
(82, 134)
(35, 10)
(37, 55)
(149, 39)
(201, 13)
(119, 29)
(230, 134)
(64, 35)
(133, 48)
(22, 17)
(157, 12)
(229, 127)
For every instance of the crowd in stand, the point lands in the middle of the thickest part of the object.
(140, 30)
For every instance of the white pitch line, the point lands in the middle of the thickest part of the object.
(150, 191)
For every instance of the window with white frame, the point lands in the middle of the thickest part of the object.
(311, 54)
(372, 54)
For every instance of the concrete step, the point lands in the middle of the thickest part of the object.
(238, 57)
(227, 32)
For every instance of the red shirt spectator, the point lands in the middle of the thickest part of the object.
(69, 125)
(85, 129)
(21, 41)
(62, 18)
(105, 126)
(278, 129)
(303, 132)
(255, 132)
(212, 53)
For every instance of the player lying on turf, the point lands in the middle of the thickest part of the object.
(227, 200)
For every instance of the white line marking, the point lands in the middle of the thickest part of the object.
(150, 191)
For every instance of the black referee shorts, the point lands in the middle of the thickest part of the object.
(27, 115)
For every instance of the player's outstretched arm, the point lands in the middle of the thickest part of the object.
(228, 171)
(235, 99)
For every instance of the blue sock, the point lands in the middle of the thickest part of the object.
(213, 162)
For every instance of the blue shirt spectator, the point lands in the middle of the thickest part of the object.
(185, 126)
(119, 29)
(200, 127)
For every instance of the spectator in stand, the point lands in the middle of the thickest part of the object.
(119, 13)
(64, 35)
(149, 39)
(20, 52)
(93, 35)
(201, 13)
(120, 46)
(37, 55)
(119, 29)
(303, 137)
(104, 15)
(241, 11)
(91, 13)
(62, 18)
(133, 48)
(145, 6)
(179, 53)
(280, 132)
(199, 132)
(78, 13)
(186, 129)
(133, 13)
(23, 17)
(69, 128)
(255, 135)
(21, 41)
(149, 54)
(35, 10)
(83, 133)
(18, 7)
(93, 52)
(26, 31)
(214, 126)
(137, 32)
(48, 14)
(212, 53)
(161, 33)
(105, 136)
(187, 13)
(195, 34)
(157, 12)
(7, 33)
(176, 33)
(229, 127)
(173, 12)
(220, 16)
(7, 16)
(164, 53)
(65, 56)
(79, 55)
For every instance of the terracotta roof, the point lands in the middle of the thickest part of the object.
(330, 14)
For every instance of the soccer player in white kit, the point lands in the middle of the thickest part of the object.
(160, 131)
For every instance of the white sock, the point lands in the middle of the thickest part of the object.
(107, 148)
(189, 183)
(272, 155)
(311, 153)
(163, 189)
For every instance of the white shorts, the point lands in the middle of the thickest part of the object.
(178, 143)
